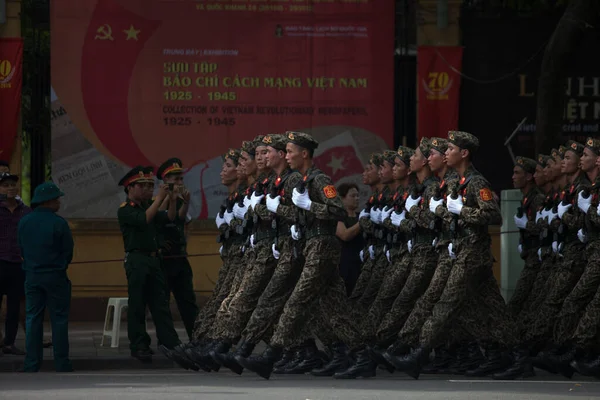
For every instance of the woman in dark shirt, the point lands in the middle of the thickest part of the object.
(349, 232)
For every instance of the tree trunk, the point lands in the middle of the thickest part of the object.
(580, 17)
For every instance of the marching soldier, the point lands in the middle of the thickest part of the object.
(320, 289)
(523, 179)
(176, 266)
(471, 274)
(146, 284)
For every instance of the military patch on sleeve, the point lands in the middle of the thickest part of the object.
(486, 194)
(330, 191)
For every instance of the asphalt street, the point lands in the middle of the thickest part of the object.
(173, 384)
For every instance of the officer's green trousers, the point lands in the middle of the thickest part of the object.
(50, 290)
(178, 274)
(146, 286)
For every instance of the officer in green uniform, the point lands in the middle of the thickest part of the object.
(172, 242)
(146, 284)
(47, 249)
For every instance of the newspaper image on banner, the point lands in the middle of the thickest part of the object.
(138, 83)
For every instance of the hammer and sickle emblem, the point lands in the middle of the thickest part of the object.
(104, 33)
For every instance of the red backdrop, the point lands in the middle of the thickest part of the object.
(11, 78)
(439, 89)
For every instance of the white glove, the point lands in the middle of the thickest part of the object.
(433, 204)
(272, 204)
(389, 258)
(301, 200)
(364, 214)
(247, 201)
(228, 216)
(582, 236)
(239, 212)
(255, 200)
(451, 252)
(376, 216)
(521, 223)
(221, 250)
(398, 218)
(409, 243)
(276, 254)
(386, 212)
(540, 253)
(454, 205)
(372, 252)
(538, 216)
(550, 216)
(584, 204)
(252, 240)
(294, 232)
(435, 241)
(555, 247)
(562, 209)
(410, 202)
(219, 221)
(520, 248)
(362, 256)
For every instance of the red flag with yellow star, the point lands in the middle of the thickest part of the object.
(337, 157)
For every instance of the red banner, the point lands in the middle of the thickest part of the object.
(11, 78)
(439, 89)
(146, 81)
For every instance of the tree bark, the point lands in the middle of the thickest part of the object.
(580, 17)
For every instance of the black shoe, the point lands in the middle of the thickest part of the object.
(411, 363)
(13, 350)
(376, 354)
(364, 367)
(442, 362)
(143, 355)
(297, 358)
(262, 364)
(288, 356)
(496, 360)
(339, 362)
(520, 368)
(178, 355)
(200, 356)
(228, 359)
(588, 366)
(468, 358)
(220, 348)
(311, 359)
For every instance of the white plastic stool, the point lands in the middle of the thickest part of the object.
(117, 303)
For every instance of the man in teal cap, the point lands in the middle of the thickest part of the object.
(47, 249)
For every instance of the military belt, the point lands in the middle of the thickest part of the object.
(320, 230)
(445, 236)
(283, 229)
(530, 243)
(145, 252)
(263, 234)
(426, 237)
(470, 231)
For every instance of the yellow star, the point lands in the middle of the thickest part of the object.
(132, 33)
(336, 164)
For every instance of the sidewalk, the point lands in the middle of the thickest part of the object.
(87, 354)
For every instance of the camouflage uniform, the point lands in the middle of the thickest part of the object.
(473, 265)
(289, 266)
(569, 268)
(319, 281)
(399, 267)
(232, 317)
(576, 302)
(529, 239)
(409, 335)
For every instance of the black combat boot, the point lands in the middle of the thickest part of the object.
(497, 360)
(411, 363)
(177, 354)
(311, 359)
(588, 365)
(442, 361)
(520, 368)
(338, 363)
(201, 356)
(218, 351)
(296, 358)
(469, 357)
(228, 359)
(364, 367)
(288, 356)
(262, 364)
